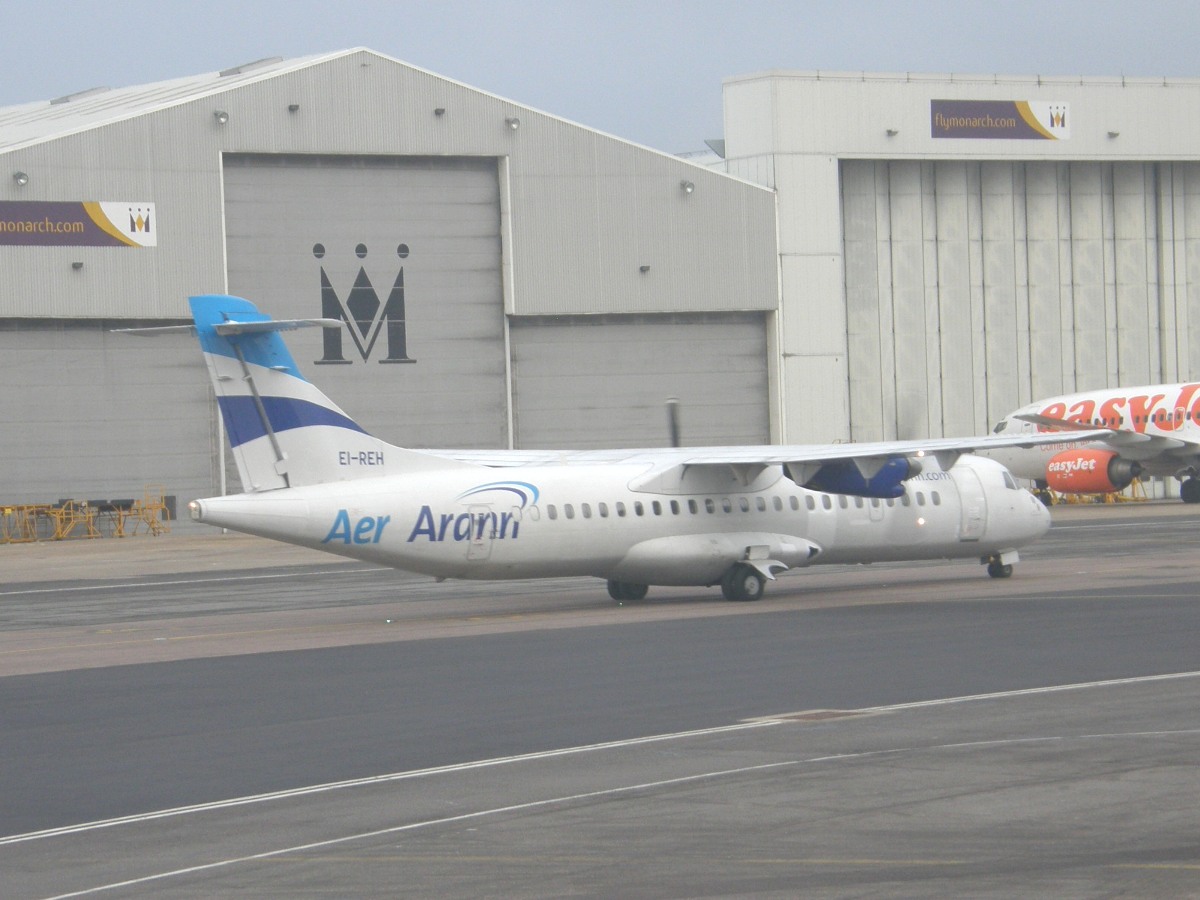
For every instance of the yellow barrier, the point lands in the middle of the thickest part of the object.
(69, 519)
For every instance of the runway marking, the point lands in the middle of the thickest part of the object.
(378, 779)
(220, 579)
(589, 795)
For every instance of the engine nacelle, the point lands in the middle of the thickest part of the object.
(1090, 472)
(845, 476)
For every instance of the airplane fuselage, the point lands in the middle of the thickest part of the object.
(560, 520)
(1156, 427)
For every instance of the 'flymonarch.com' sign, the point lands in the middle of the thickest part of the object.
(1023, 120)
(95, 223)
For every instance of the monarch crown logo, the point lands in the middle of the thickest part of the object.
(139, 221)
(365, 315)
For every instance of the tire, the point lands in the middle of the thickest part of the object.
(1189, 491)
(1000, 570)
(624, 590)
(742, 584)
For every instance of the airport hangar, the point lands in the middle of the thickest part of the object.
(512, 279)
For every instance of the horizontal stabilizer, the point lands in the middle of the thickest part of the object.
(226, 329)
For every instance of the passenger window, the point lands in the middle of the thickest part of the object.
(760, 504)
(709, 506)
(777, 502)
(674, 507)
(620, 509)
(693, 508)
(586, 509)
(810, 502)
(602, 508)
(725, 504)
(743, 504)
(920, 499)
(794, 501)
(937, 498)
(826, 502)
(858, 501)
(905, 500)
(656, 507)
(568, 510)
(637, 508)
(843, 502)
(551, 511)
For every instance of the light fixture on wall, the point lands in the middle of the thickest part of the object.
(76, 265)
(1114, 134)
(20, 178)
(513, 123)
(686, 186)
(440, 111)
(293, 107)
(892, 132)
(643, 269)
(221, 116)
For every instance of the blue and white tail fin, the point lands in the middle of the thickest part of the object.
(284, 432)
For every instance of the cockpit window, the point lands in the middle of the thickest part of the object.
(1010, 482)
(1000, 426)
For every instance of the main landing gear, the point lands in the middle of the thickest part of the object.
(1189, 490)
(742, 583)
(625, 590)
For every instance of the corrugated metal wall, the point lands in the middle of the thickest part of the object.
(603, 381)
(92, 415)
(409, 245)
(974, 287)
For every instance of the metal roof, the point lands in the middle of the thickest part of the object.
(44, 120)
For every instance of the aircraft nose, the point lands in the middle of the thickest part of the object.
(1040, 513)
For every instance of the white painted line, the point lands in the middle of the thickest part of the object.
(220, 579)
(375, 779)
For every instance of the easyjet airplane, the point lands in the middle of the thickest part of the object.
(1153, 430)
(733, 516)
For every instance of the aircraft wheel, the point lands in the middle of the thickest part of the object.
(999, 570)
(1189, 491)
(624, 590)
(742, 583)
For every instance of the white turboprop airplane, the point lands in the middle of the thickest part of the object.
(1152, 430)
(732, 516)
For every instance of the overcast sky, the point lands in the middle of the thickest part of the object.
(649, 71)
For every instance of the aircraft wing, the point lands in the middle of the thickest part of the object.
(1134, 444)
(875, 469)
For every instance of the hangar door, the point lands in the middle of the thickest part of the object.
(974, 287)
(406, 251)
(603, 381)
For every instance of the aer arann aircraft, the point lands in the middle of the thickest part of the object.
(732, 516)
(1151, 430)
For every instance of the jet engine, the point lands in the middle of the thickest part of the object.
(1090, 472)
